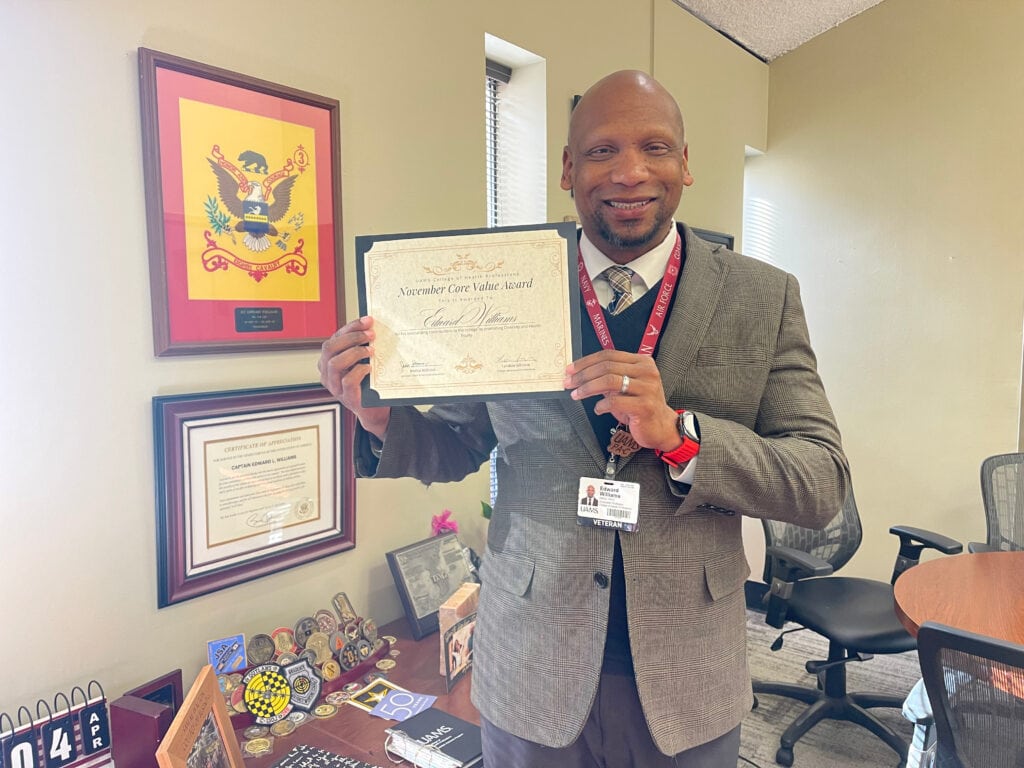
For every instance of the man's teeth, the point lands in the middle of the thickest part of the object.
(627, 206)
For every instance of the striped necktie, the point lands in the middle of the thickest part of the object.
(620, 279)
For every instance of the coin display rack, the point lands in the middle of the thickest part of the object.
(241, 720)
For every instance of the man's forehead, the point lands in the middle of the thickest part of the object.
(644, 113)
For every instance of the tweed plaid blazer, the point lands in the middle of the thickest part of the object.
(736, 351)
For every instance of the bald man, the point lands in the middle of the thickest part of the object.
(616, 638)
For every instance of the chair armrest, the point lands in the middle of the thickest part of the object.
(788, 567)
(978, 546)
(795, 564)
(913, 541)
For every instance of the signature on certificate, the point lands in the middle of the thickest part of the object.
(477, 314)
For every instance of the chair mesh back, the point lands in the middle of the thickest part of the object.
(835, 544)
(1002, 490)
(976, 686)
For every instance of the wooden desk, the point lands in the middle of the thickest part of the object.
(981, 593)
(356, 733)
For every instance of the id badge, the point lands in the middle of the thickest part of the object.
(608, 504)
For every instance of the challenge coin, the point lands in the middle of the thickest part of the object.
(343, 607)
(260, 649)
(284, 640)
(257, 747)
(282, 727)
(255, 731)
(338, 698)
(299, 717)
(326, 621)
(368, 627)
(331, 670)
(325, 711)
(304, 627)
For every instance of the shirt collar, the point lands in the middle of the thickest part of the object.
(650, 267)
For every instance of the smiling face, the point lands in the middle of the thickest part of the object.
(626, 163)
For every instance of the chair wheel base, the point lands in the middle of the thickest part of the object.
(784, 756)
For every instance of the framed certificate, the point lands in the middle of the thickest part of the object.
(477, 314)
(249, 482)
(426, 574)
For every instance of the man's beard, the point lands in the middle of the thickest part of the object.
(632, 238)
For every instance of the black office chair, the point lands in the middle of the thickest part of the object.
(976, 688)
(856, 615)
(1002, 492)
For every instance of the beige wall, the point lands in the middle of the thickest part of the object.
(893, 177)
(77, 553)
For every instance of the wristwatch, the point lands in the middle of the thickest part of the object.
(689, 431)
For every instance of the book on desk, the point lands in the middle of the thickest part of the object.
(434, 738)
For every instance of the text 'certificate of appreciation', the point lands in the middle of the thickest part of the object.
(473, 314)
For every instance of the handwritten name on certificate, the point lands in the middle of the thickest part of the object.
(475, 314)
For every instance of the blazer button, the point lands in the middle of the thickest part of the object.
(601, 580)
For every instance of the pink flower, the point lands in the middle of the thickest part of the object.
(443, 523)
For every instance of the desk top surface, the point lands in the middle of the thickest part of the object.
(981, 593)
(356, 733)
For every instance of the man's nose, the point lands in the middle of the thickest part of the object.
(631, 167)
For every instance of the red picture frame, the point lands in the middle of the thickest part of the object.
(243, 208)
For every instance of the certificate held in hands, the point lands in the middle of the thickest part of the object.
(479, 314)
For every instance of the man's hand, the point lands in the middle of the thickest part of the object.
(343, 365)
(631, 390)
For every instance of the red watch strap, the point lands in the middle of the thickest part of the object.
(684, 452)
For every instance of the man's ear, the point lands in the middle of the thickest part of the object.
(566, 182)
(687, 178)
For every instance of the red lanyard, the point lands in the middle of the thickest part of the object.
(658, 313)
(622, 443)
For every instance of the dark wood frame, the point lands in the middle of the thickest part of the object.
(171, 415)
(217, 320)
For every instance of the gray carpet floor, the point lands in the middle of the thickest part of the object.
(830, 744)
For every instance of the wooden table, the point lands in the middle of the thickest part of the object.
(354, 732)
(981, 593)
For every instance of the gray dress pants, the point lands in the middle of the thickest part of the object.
(615, 736)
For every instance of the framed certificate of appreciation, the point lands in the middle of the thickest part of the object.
(479, 314)
(249, 482)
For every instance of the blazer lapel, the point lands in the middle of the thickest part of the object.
(577, 417)
(700, 290)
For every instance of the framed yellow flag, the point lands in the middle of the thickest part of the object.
(243, 207)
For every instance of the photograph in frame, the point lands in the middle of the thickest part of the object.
(249, 483)
(243, 208)
(427, 573)
(458, 650)
(201, 735)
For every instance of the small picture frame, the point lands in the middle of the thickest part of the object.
(426, 574)
(201, 733)
(458, 650)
